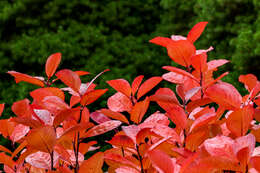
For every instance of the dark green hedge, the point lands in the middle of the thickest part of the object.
(93, 35)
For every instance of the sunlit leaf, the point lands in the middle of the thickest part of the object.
(122, 141)
(69, 78)
(181, 52)
(121, 85)
(22, 108)
(136, 83)
(180, 71)
(196, 31)
(178, 116)
(148, 85)
(52, 63)
(42, 159)
(119, 103)
(1, 108)
(103, 128)
(92, 96)
(114, 115)
(225, 94)
(161, 41)
(19, 77)
(99, 117)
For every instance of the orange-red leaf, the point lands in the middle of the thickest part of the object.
(180, 71)
(42, 139)
(178, 116)
(238, 122)
(19, 77)
(63, 115)
(27, 122)
(119, 103)
(196, 31)
(40, 93)
(199, 62)
(22, 108)
(161, 160)
(93, 164)
(121, 85)
(2, 106)
(195, 139)
(122, 141)
(54, 104)
(139, 110)
(81, 73)
(181, 52)
(203, 120)
(248, 80)
(70, 79)
(148, 85)
(161, 41)
(114, 115)
(92, 96)
(103, 128)
(52, 63)
(6, 160)
(224, 94)
(136, 83)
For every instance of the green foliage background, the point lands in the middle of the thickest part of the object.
(93, 35)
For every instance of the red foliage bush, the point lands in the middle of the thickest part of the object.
(215, 127)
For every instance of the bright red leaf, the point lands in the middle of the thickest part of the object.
(196, 31)
(121, 85)
(19, 77)
(69, 78)
(52, 63)
(148, 85)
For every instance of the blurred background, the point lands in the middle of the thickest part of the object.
(94, 35)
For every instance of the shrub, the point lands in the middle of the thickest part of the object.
(215, 128)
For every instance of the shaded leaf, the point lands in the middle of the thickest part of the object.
(122, 141)
(178, 116)
(22, 108)
(139, 110)
(203, 120)
(2, 106)
(99, 117)
(63, 115)
(175, 78)
(42, 159)
(42, 139)
(93, 164)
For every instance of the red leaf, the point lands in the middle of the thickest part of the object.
(42, 139)
(2, 106)
(136, 83)
(19, 132)
(199, 62)
(63, 115)
(212, 65)
(54, 104)
(6, 160)
(175, 78)
(178, 116)
(126, 169)
(238, 122)
(221, 147)
(69, 78)
(99, 117)
(19, 77)
(93, 164)
(81, 73)
(119, 103)
(180, 71)
(148, 85)
(139, 110)
(52, 63)
(224, 94)
(40, 93)
(122, 141)
(103, 128)
(161, 160)
(121, 85)
(42, 160)
(248, 80)
(22, 108)
(196, 31)
(161, 41)
(255, 162)
(27, 122)
(92, 96)
(114, 115)
(181, 52)
(196, 138)
(206, 119)
(189, 94)
(119, 160)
